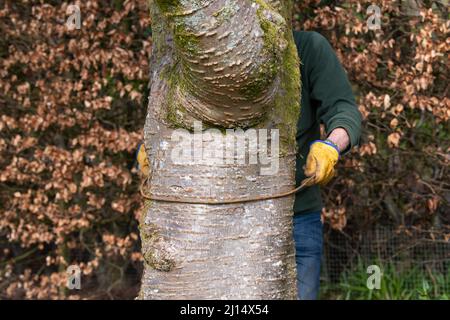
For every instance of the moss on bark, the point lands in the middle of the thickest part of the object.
(282, 66)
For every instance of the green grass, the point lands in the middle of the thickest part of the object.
(408, 284)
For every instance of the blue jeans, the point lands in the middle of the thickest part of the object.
(308, 236)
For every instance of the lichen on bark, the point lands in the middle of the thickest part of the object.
(229, 64)
(228, 56)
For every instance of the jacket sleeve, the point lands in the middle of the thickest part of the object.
(331, 91)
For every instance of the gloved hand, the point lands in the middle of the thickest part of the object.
(143, 163)
(322, 157)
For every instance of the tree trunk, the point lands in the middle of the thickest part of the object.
(227, 64)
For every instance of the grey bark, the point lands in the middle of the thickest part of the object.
(229, 64)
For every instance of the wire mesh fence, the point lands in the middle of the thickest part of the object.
(414, 263)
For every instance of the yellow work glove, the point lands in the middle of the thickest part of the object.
(322, 157)
(142, 160)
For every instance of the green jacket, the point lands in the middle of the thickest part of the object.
(326, 98)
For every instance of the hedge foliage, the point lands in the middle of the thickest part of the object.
(73, 105)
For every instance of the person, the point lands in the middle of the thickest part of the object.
(326, 99)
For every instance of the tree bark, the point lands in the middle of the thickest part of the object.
(229, 64)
